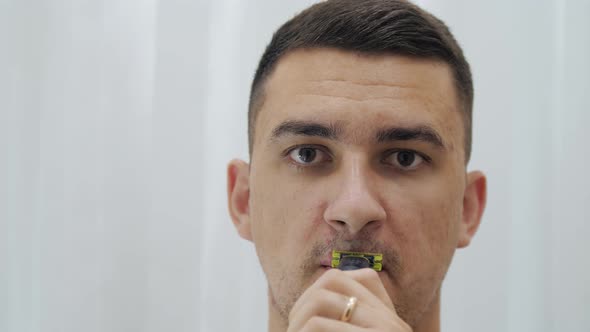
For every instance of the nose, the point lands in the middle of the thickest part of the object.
(356, 204)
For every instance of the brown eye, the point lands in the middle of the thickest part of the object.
(307, 155)
(406, 159)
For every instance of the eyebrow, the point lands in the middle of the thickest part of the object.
(305, 128)
(420, 133)
(333, 132)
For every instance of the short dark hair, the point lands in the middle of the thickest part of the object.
(372, 27)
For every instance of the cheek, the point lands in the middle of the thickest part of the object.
(285, 213)
(426, 224)
(440, 225)
(304, 211)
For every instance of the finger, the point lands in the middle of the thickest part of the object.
(341, 283)
(324, 307)
(321, 324)
(327, 304)
(369, 278)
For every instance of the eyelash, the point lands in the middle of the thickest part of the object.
(423, 156)
(287, 152)
(388, 154)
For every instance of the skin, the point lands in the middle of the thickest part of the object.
(348, 190)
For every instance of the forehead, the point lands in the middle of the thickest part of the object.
(360, 92)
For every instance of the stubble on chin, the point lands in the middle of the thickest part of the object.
(288, 290)
(294, 281)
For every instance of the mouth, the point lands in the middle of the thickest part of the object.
(326, 261)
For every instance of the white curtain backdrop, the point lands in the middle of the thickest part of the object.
(117, 119)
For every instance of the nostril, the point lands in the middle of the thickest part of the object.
(337, 224)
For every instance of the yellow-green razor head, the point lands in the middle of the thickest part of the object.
(351, 260)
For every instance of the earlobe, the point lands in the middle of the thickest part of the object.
(238, 197)
(474, 201)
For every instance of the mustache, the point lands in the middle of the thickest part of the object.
(391, 259)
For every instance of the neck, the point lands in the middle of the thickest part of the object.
(429, 322)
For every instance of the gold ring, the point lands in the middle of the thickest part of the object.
(349, 309)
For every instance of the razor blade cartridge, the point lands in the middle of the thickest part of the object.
(350, 260)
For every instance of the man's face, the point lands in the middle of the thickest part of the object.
(361, 153)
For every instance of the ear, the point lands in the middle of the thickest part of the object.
(238, 196)
(474, 202)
